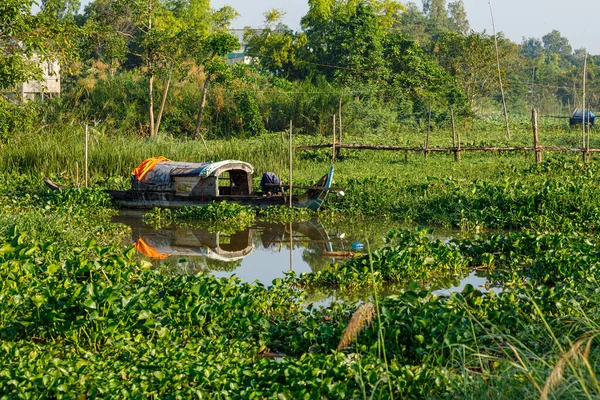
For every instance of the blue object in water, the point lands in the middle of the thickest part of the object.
(357, 246)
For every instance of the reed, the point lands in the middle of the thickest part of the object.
(577, 350)
(361, 318)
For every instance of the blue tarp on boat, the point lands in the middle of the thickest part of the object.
(164, 171)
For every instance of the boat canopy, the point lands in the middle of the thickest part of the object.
(164, 171)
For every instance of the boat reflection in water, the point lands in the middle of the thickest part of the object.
(163, 243)
(265, 251)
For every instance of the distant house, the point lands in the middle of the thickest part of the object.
(239, 55)
(49, 83)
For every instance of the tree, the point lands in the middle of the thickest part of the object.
(215, 47)
(471, 60)
(419, 78)
(555, 43)
(458, 17)
(344, 41)
(414, 23)
(152, 33)
(278, 48)
(532, 47)
(435, 10)
(64, 8)
(23, 35)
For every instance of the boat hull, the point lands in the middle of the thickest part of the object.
(133, 199)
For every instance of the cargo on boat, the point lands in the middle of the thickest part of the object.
(159, 182)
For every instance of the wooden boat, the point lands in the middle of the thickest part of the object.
(169, 184)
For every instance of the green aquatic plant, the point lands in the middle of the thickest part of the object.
(223, 216)
(283, 214)
(408, 256)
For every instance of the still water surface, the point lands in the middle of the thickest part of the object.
(264, 252)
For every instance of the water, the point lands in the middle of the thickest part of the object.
(265, 251)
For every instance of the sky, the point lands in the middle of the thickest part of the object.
(515, 18)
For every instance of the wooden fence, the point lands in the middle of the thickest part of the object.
(457, 149)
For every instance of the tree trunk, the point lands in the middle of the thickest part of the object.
(151, 80)
(201, 111)
(162, 104)
(151, 104)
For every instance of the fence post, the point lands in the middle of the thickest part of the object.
(428, 132)
(86, 155)
(536, 140)
(339, 149)
(456, 157)
(333, 142)
(291, 164)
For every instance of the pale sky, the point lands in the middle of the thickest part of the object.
(515, 18)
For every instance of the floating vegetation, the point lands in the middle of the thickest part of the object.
(283, 214)
(218, 216)
(409, 256)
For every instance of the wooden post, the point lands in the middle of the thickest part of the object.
(428, 132)
(291, 247)
(589, 130)
(458, 146)
(583, 142)
(453, 134)
(339, 150)
(291, 158)
(333, 142)
(86, 155)
(536, 140)
(499, 72)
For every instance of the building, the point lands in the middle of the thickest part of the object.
(48, 85)
(239, 55)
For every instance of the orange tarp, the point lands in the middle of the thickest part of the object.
(146, 166)
(147, 250)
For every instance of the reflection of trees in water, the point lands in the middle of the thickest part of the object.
(357, 229)
(276, 239)
(198, 264)
(313, 256)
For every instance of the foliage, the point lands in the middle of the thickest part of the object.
(90, 321)
(283, 214)
(222, 217)
(407, 257)
(28, 40)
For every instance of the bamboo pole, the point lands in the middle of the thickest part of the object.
(499, 72)
(333, 142)
(86, 155)
(291, 158)
(583, 123)
(536, 141)
(458, 145)
(456, 157)
(340, 124)
(291, 247)
(448, 149)
(428, 132)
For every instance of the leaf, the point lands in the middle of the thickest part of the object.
(90, 303)
(145, 314)
(38, 300)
